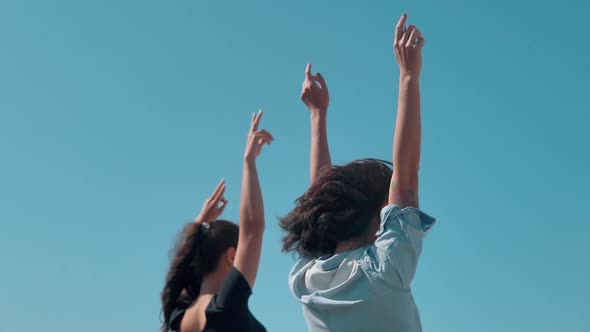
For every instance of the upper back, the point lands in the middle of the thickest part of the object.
(367, 286)
(225, 311)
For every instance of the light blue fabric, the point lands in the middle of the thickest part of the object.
(366, 289)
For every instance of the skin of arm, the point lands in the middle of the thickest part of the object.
(406, 143)
(251, 205)
(315, 96)
(319, 149)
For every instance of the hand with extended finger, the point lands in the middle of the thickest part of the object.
(314, 92)
(214, 205)
(407, 46)
(256, 138)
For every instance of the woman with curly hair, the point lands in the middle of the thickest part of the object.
(357, 229)
(215, 263)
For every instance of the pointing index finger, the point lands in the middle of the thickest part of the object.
(399, 28)
(256, 120)
(308, 71)
(219, 189)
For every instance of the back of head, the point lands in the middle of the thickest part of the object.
(339, 206)
(196, 254)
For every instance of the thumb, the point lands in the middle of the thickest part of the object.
(223, 204)
(420, 43)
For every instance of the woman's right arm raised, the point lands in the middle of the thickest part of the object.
(251, 205)
(406, 143)
(314, 94)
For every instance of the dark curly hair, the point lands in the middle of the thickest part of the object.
(196, 254)
(338, 206)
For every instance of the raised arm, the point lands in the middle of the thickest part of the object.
(314, 95)
(251, 206)
(408, 45)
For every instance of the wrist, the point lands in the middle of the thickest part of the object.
(318, 111)
(408, 77)
(249, 161)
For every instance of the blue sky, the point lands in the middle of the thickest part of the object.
(117, 118)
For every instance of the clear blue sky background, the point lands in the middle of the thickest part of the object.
(117, 118)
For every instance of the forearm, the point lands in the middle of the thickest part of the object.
(251, 205)
(319, 150)
(406, 144)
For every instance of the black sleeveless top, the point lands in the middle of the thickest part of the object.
(228, 310)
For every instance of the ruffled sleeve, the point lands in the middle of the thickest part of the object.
(399, 242)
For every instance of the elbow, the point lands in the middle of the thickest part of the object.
(413, 176)
(406, 175)
(260, 227)
(406, 163)
(253, 227)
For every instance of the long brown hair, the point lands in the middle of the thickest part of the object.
(338, 206)
(196, 254)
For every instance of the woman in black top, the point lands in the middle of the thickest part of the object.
(215, 263)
